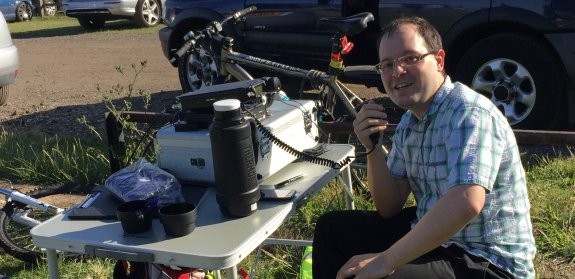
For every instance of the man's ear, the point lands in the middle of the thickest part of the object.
(440, 58)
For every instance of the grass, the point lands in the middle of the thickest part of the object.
(93, 269)
(29, 158)
(552, 191)
(52, 161)
(551, 188)
(66, 26)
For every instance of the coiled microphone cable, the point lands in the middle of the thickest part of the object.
(296, 153)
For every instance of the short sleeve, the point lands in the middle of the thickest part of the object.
(474, 148)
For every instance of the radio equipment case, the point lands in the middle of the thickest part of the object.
(188, 156)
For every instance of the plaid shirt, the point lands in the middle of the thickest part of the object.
(464, 139)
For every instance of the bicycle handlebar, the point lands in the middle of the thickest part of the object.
(214, 27)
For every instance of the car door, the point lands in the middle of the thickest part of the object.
(7, 8)
(285, 30)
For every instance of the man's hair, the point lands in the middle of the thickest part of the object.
(424, 28)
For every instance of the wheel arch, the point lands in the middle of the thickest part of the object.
(481, 24)
(478, 26)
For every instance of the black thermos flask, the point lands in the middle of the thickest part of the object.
(231, 137)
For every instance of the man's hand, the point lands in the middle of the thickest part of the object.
(369, 120)
(365, 266)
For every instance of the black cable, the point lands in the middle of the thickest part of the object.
(296, 153)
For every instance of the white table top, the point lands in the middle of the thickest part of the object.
(217, 242)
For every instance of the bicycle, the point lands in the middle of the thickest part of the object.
(20, 213)
(207, 58)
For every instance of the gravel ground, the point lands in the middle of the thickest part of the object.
(59, 79)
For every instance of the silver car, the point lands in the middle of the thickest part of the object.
(93, 14)
(9, 60)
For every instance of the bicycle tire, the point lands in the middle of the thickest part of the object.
(15, 238)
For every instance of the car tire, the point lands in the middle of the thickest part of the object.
(23, 12)
(90, 23)
(4, 92)
(197, 70)
(148, 13)
(520, 75)
(50, 8)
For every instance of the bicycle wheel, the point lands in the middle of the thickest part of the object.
(15, 238)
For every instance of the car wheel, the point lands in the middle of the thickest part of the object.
(23, 12)
(91, 23)
(50, 8)
(197, 69)
(520, 75)
(4, 92)
(148, 13)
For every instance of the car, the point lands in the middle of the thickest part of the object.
(94, 14)
(16, 10)
(520, 54)
(9, 60)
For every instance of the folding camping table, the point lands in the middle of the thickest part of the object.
(217, 242)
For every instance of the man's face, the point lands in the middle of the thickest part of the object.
(413, 85)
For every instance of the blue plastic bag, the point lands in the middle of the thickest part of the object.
(143, 180)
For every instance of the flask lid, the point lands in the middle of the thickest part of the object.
(227, 105)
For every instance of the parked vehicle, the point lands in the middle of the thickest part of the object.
(520, 54)
(16, 10)
(9, 60)
(94, 14)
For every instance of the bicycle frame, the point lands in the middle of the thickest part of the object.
(212, 53)
(231, 59)
(22, 216)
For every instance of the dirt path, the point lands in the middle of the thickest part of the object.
(59, 78)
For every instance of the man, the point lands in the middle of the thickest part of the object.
(457, 154)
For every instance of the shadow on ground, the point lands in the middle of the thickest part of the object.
(63, 120)
(74, 30)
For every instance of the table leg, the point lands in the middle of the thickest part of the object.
(232, 272)
(52, 258)
(345, 178)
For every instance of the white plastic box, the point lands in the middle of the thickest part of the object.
(188, 155)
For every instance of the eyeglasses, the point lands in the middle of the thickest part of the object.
(386, 67)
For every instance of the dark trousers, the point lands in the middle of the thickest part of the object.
(339, 235)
